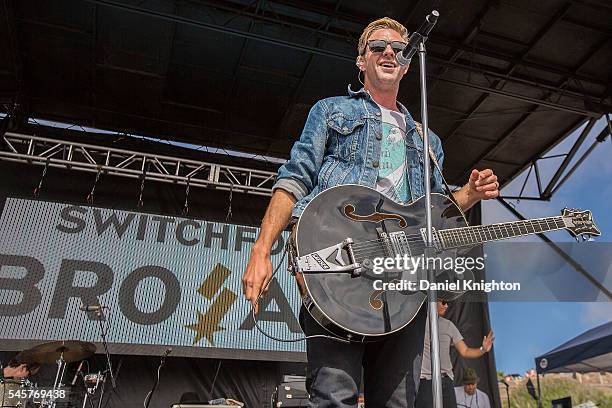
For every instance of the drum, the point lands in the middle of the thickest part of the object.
(92, 380)
(12, 393)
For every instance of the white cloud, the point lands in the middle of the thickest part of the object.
(597, 313)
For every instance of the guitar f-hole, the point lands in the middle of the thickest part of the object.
(375, 302)
(349, 212)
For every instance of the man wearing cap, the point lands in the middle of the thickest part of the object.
(469, 395)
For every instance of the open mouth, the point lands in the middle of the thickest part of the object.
(390, 65)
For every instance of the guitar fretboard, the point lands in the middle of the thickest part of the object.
(458, 237)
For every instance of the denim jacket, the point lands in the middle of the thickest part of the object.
(340, 144)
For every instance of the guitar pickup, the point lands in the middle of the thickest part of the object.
(436, 242)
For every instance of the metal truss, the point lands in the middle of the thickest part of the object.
(124, 163)
(566, 257)
(558, 179)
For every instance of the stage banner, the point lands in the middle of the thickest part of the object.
(167, 282)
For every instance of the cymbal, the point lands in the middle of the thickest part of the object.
(47, 353)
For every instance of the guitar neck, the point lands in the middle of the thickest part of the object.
(467, 236)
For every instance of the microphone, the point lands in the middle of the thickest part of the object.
(168, 351)
(404, 57)
(76, 375)
(92, 308)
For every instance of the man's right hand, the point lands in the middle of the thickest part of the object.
(259, 269)
(256, 276)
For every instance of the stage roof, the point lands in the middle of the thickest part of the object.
(507, 79)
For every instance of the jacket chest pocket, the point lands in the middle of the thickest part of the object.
(344, 135)
(414, 155)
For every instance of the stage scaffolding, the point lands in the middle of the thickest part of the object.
(91, 158)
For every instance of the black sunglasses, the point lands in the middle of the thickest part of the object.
(381, 45)
(444, 302)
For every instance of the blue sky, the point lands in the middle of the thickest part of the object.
(524, 330)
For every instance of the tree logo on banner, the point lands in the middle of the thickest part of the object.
(209, 323)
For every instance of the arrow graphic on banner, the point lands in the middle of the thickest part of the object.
(209, 323)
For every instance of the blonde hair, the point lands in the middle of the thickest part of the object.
(380, 24)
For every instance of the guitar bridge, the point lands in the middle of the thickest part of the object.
(330, 260)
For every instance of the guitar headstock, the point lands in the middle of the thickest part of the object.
(580, 223)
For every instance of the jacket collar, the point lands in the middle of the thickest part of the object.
(354, 94)
(363, 93)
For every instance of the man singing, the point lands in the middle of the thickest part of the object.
(366, 137)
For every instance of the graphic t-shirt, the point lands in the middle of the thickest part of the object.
(392, 179)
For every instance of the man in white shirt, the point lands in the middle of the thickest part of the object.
(449, 336)
(469, 396)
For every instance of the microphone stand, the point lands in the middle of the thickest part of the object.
(507, 390)
(434, 341)
(108, 360)
(161, 364)
(90, 391)
(417, 41)
(100, 315)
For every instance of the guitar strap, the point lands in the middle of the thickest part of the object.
(432, 155)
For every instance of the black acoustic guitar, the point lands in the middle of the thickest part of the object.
(344, 232)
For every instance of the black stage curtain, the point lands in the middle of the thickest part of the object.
(252, 382)
(473, 321)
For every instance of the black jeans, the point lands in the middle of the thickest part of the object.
(391, 367)
(425, 396)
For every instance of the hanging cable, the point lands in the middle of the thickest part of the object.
(143, 177)
(186, 206)
(90, 196)
(228, 216)
(303, 338)
(42, 178)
